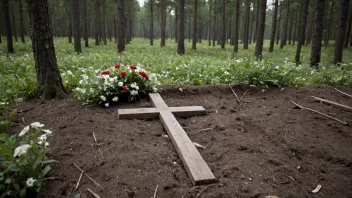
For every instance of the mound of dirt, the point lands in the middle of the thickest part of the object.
(263, 145)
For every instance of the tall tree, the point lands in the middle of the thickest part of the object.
(70, 26)
(181, 28)
(237, 20)
(256, 22)
(48, 75)
(14, 25)
(223, 36)
(103, 29)
(176, 23)
(7, 25)
(194, 41)
(246, 23)
(151, 33)
(279, 25)
(75, 10)
(284, 32)
(21, 22)
(122, 26)
(318, 32)
(302, 30)
(86, 44)
(210, 13)
(163, 22)
(273, 26)
(97, 42)
(261, 28)
(341, 31)
(348, 32)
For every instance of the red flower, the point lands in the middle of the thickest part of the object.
(133, 67)
(125, 88)
(105, 72)
(117, 66)
(123, 74)
(144, 74)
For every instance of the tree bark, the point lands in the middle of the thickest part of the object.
(176, 23)
(7, 25)
(223, 37)
(279, 25)
(210, 14)
(48, 75)
(284, 32)
(122, 26)
(341, 32)
(236, 30)
(163, 22)
(261, 28)
(21, 23)
(151, 33)
(70, 26)
(273, 26)
(290, 31)
(330, 23)
(75, 10)
(348, 32)
(302, 31)
(194, 40)
(251, 36)
(181, 30)
(97, 42)
(256, 22)
(246, 23)
(103, 29)
(14, 25)
(318, 32)
(86, 44)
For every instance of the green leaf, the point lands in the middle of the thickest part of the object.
(16, 187)
(49, 161)
(46, 170)
(23, 192)
(8, 181)
(4, 137)
(77, 196)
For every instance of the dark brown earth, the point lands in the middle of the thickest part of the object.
(261, 146)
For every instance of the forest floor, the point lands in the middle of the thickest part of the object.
(261, 146)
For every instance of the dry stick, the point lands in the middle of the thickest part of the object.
(244, 94)
(96, 183)
(346, 94)
(156, 189)
(290, 178)
(234, 93)
(207, 129)
(96, 143)
(204, 189)
(79, 180)
(93, 193)
(345, 123)
(332, 103)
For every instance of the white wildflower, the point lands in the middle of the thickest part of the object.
(120, 84)
(37, 125)
(115, 99)
(40, 142)
(69, 72)
(43, 137)
(30, 182)
(24, 131)
(134, 92)
(46, 144)
(47, 131)
(137, 87)
(21, 150)
(107, 104)
(133, 85)
(103, 98)
(155, 89)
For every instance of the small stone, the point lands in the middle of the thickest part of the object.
(220, 127)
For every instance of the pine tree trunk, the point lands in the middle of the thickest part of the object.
(348, 32)
(261, 28)
(290, 31)
(210, 13)
(223, 37)
(236, 30)
(341, 32)
(318, 32)
(104, 23)
(70, 26)
(163, 22)
(302, 31)
(21, 23)
(181, 26)
(295, 29)
(284, 32)
(279, 25)
(96, 22)
(273, 26)
(246, 23)
(48, 75)
(194, 41)
(75, 10)
(7, 25)
(331, 14)
(214, 27)
(14, 25)
(86, 44)
(122, 26)
(151, 34)
(256, 22)
(176, 24)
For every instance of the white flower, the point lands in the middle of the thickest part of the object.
(134, 92)
(155, 89)
(115, 99)
(91, 90)
(37, 125)
(24, 131)
(106, 104)
(120, 84)
(40, 142)
(69, 72)
(137, 87)
(43, 138)
(21, 150)
(133, 85)
(47, 131)
(103, 98)
(46, 144)
(30, 182)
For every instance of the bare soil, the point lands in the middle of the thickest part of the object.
(261, 146)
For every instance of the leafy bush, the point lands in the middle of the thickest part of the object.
(5, 117)
(111, 85)
(23, 163)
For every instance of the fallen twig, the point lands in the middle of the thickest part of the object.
(96, 183)
(79, 180)
(204, 189)
(96, 143)
(345, 123)
(156, 190)
(244, 94)
(93, 193)
(207, 129)
(332, 103)
(316, 190)
(234, 93)
(290, 177)
(346, 94)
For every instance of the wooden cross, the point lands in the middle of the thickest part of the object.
(197, 169)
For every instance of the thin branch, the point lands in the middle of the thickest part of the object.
(346, 94)
(244, 94)
(234, 93)
(96, 183)
(332, 103)
(79, 180)
(156, 190)
(345, 123)
(93, 193)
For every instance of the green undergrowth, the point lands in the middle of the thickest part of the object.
(206, 65)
